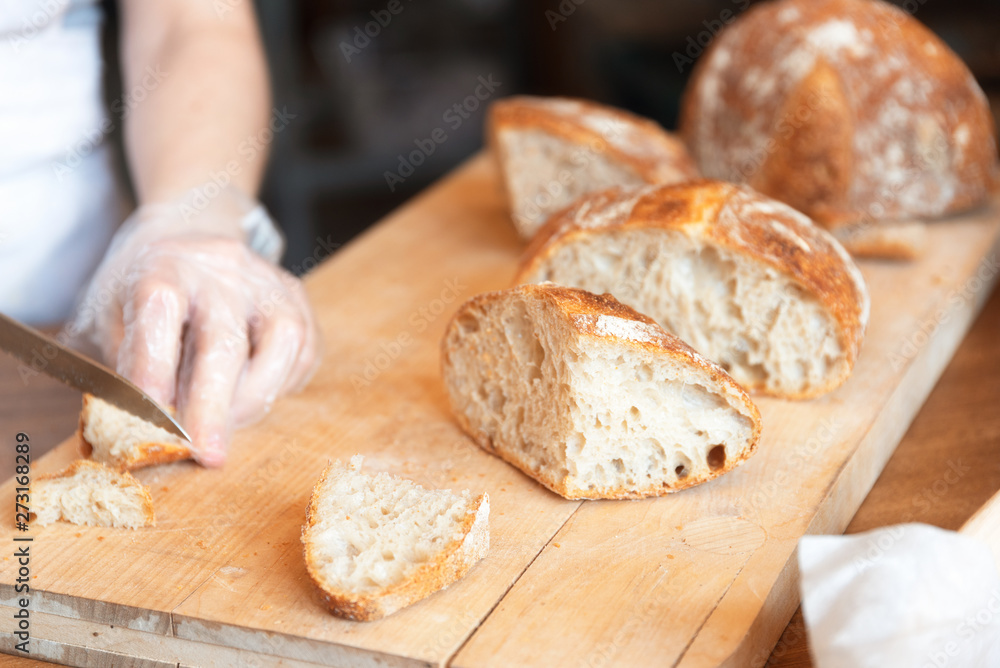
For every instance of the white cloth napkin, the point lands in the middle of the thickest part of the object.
(906, 596)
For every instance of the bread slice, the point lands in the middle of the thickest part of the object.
(590, 398)
(123, 441)
(747, 281)
(90, 493)
(552, 150)
(377, 543)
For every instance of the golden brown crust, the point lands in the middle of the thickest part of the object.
(811, 166)
(86, 449)
(736, 218)
(846, 109)
(652, 153)
(583, 310)
(451, 564)
(576, 212)
(121, 479)
(149, 454)
(575, 302)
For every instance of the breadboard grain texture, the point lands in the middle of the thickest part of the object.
(700, 578)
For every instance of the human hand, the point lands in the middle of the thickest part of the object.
(185, 309)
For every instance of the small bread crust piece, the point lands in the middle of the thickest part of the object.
(848, 110)
(734, 217)
(583, 310)
(447, 567)
(149, 453)
(122, 479)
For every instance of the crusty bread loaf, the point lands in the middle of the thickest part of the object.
(747, 281)
(846, 109)
(90, 493)
(377, 543)
(590, 398)
(552, 150)
(121, 440)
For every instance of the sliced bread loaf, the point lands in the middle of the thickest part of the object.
(89, 493)
(747, 281)
(590, 398)
(552, 150)
(123, 441)
(377, 543)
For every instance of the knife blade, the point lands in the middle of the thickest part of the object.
(43, 354)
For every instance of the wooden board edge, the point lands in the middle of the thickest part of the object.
(101, 612)
(95, 645)
(83, 657)
(284, 645)
(756, 646)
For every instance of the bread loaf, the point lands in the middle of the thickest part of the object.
(377, 543)
(552, 150)
(747, 281)
(848, 110)
(89, 493)
(590, 398)
(121, 440)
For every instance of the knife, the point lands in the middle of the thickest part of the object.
(43, 354)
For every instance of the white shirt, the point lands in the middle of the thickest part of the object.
(60, 200)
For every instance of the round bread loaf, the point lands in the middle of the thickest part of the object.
(848, 110)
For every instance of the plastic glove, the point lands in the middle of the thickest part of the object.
(183, 307)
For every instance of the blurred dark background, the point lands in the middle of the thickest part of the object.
(365, 87)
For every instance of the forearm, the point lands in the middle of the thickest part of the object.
(200, 97)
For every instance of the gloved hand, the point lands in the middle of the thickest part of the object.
(183, 307)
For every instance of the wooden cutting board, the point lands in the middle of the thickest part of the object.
(704, 577)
